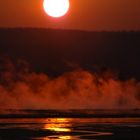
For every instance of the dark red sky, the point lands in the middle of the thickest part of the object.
(83, 14)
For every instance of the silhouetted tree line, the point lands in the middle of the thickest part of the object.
(58, 51)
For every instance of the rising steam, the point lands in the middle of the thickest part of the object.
(21, 89)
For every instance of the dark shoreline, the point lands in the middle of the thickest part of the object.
(70, 114)
(67, 116)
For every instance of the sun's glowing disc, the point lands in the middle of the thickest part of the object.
(56, 8)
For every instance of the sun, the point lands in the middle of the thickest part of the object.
(56, 8)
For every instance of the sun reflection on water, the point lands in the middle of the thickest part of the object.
(65, 138)
(59, 138)
(58, 125)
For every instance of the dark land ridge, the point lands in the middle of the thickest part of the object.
(55, 51)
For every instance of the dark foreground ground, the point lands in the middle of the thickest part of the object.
(71, 128)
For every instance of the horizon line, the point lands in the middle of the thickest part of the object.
(66, 29)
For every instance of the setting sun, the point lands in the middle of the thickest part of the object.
(56, 8)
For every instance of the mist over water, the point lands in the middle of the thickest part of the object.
(21, 88)
(65, 69)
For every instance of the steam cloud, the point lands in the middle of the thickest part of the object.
(21, 89)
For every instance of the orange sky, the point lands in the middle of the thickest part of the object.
(84, 14)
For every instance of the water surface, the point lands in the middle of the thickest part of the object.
(74, 128)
